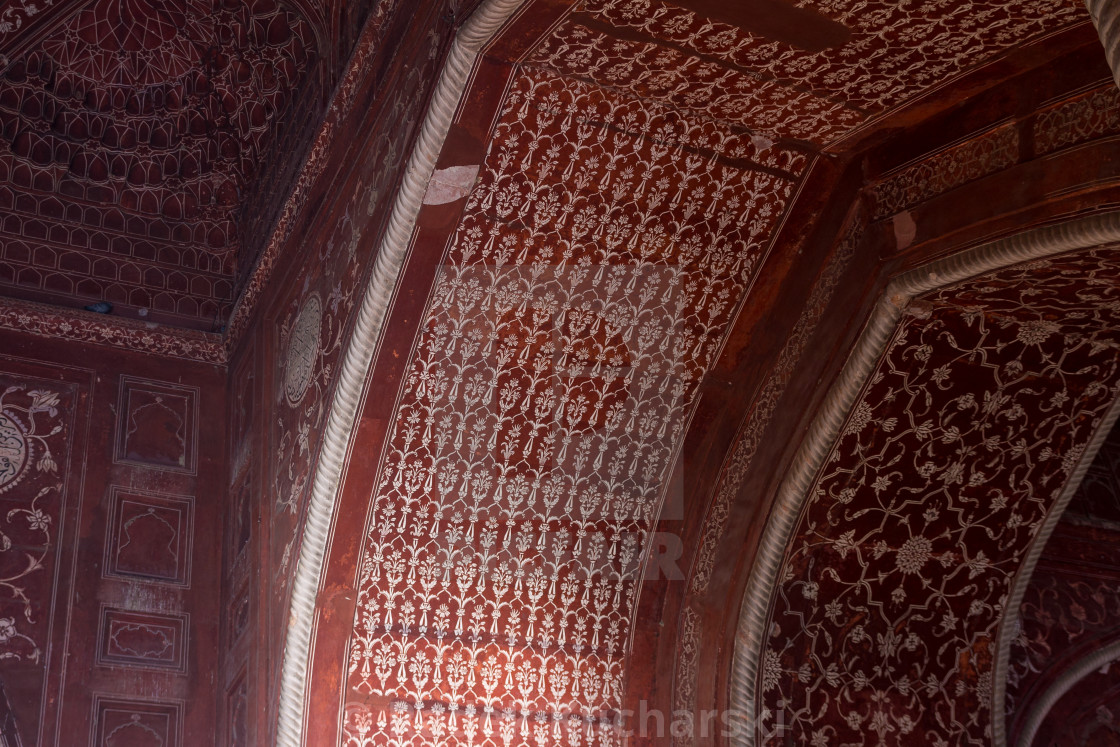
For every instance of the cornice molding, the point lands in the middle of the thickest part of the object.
(79, 326)
(750, 635)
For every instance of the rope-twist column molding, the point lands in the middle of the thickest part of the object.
(1106, 17)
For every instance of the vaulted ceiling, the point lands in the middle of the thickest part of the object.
(582, 410)
(143, 145)
(669, 198)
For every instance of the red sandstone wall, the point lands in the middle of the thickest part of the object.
(287, 354)
(112, 472)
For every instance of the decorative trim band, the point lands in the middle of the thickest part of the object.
(479, 29)
(98, 329)
(1070, 677)
(754, 612)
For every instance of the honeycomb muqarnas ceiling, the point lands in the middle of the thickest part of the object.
(129, 140)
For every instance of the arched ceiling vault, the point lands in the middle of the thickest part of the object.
(635, 245)
(142, 146)
(956, 436)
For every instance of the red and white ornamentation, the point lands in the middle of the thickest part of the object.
(891, 594)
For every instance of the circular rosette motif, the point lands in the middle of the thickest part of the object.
(303, 350)
(15, 451)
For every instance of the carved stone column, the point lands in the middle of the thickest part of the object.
(1106, 16)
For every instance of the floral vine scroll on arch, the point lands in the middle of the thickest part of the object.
(749, 677)
(22, 433)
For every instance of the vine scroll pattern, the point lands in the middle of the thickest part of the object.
(34, 447)
(884, 621)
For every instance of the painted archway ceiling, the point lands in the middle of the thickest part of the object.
(876, 55)
(133, 136)
(641, 161)
(891, 594)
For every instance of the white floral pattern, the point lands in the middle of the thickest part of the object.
(960, 443)
(555, 372)
(698, 65)
(35, 418)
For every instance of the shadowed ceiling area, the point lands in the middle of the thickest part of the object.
(136, 136)
(958, 448)
(1069, 613)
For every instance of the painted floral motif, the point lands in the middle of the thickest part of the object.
(738, 462)
(1061, 615)
(985, 154)
(1079, 119)
(293, 210)
(62, 324)
(602, 256)
(1071, 606)
(16, 14)
(893, 588)
(303, 349)
(17, 440)
(705, 66)
(308, 367)
(13, 451)
(756, 422)
(33, 442)
(299, 425)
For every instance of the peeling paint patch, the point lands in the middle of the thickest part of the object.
(450, 184)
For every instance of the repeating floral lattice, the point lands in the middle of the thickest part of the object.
(602, 256)
(895, 51)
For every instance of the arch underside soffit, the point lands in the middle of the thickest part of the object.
(972, 425)
(568, 337)
(1069, 614)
